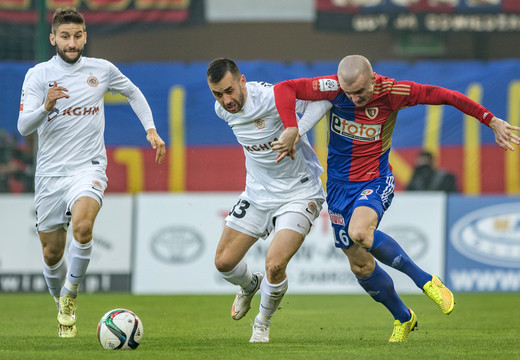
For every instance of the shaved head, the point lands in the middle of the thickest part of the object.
(352, 67)
(356, 79)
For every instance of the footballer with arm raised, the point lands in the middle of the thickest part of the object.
(62, 99)
(360, 184)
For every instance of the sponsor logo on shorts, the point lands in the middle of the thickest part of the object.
(92, 81)
(354, 130)
(365, 193)
(336, 218)
(311, 207)
(96, 185)
(260, 123)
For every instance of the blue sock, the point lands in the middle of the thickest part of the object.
(380, 286)
(388, 251)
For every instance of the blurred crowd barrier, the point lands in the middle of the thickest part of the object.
(165, 243)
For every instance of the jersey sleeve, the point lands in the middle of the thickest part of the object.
(286, 93)
(314, 112)
(436, 95)
(32, 110)
(119, 83)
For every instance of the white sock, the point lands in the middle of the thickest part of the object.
(55, 276)
(78, 259)
(271, 297)
(240, 275)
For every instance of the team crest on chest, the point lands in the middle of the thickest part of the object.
(92, 81)
(372, 112)
(260, 123)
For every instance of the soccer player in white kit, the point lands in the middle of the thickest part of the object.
(63, 100)
(283, 198)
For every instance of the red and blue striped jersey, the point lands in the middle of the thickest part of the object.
(361, 137)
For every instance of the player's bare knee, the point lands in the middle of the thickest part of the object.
(223, 264)
(275, 271)
(82, 231)
(52, 255)
(360, 236)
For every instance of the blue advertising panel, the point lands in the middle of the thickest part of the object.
(497, 80)
(483, 248)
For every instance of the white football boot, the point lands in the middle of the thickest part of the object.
(260, 333)
(242, 302)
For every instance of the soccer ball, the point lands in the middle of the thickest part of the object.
(120, 329)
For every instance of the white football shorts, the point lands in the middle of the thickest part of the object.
(296, 215)
(55, 195)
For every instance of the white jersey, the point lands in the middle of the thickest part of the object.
(71, 136)
(256, 126)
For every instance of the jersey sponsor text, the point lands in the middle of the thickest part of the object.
(260, 147)
(354, 130)
(78, 111)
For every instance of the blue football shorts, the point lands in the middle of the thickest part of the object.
(343, 198)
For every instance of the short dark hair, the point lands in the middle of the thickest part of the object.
(218, 68)
(67, 15)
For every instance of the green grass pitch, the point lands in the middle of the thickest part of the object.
(482, 326)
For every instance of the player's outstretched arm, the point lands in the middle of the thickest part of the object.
(503, 133)
(157, 143)
(286, 145)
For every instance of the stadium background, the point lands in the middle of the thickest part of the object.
(165, 46)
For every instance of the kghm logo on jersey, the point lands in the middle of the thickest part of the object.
(92, 81)
(78, 111)
(365, 193)
(260, 147)
(372, 112)
(354, 130)
(336, 218)
(260, 123)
